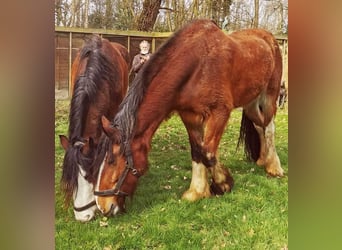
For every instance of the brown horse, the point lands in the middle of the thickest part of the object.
(202, 74)
(99, 84)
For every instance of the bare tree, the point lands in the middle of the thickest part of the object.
(62, 13)
(75, 9)
(148, 15)
(169, 15)
(108, 18)
(256, 14)
(86, 13)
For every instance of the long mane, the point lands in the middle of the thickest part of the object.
(98, 70)
(125, 120)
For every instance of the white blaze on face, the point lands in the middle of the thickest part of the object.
(97, 187)
(83, 196)
(105, 204)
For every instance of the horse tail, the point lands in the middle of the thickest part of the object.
(250, 138)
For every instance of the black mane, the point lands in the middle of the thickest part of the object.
(99, 69)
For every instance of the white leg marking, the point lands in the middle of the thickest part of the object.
(199, 186)
(199, 180)
(268, 154)
(272, 161)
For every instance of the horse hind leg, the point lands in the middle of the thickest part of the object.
(268, 154)
(259, 116)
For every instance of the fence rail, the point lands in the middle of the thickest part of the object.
(69, 40)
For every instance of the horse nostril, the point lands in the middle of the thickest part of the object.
(110, 211)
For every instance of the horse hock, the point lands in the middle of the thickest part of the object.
(268, 154)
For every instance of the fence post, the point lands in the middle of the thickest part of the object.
(129, 44)
(153, 44)
(70, 58)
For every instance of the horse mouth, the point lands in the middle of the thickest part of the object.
(114, 209)
(110, 211)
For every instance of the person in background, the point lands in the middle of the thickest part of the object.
(142, 57)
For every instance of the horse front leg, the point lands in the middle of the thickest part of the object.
(199, 186)
(204, 136)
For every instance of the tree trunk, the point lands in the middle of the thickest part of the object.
(256, 14)
(148, 15)
(86, 14)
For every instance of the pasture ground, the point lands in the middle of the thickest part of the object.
(253, 216)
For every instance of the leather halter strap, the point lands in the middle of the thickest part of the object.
(116, 191)
(85, 207)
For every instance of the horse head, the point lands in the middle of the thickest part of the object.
(77, 180)
(117, 177)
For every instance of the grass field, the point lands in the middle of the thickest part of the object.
(253, 216)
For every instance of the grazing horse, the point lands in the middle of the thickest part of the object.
(100, 80)
(202, 74)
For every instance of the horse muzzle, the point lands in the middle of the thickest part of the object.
(112, 210)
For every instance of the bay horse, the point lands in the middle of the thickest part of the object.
(99, 84)
(202, 74)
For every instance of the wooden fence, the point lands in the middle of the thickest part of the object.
(69, 40)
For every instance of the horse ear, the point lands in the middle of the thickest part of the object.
(107, 126)
(109, 130)
(64, 141)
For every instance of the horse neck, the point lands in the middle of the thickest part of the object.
(92, 126)
(84, 114)
(159, 100)
(148, 120)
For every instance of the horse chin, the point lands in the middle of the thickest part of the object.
(85, 216)
(114, 210)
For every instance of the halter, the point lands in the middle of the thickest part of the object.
(85, 207)
(116, 191)
(81, 143)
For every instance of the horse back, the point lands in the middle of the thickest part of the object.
(255, 67)
(233, 69)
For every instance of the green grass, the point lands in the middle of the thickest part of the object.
(253, 216)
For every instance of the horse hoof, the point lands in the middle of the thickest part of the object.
(220, 189)
(279, 172)
(215, 189)
(191, 195)
(274, 168)
(260, 162)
